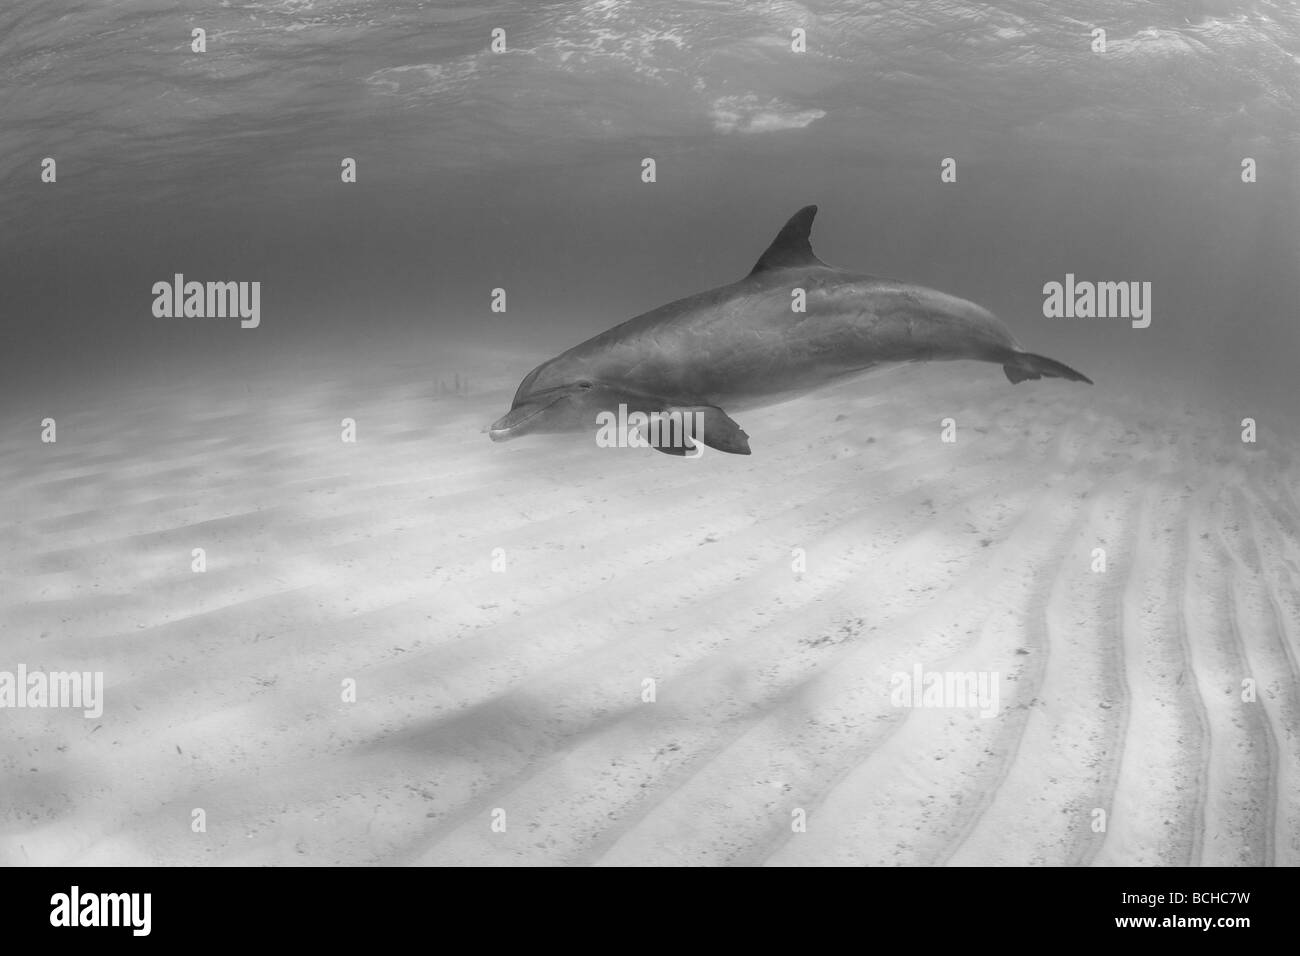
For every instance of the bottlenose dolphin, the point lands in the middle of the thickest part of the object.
(746, 345)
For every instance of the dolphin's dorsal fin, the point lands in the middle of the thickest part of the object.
(791, 246)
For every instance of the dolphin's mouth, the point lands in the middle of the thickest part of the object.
(506, 428)
(515, 422)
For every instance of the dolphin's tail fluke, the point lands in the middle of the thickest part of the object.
(1027, 365)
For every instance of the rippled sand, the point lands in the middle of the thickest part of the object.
(522, 690)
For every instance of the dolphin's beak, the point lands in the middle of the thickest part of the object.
(519, 420)
(503, 429)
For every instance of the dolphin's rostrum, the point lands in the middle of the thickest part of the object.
(744, 345)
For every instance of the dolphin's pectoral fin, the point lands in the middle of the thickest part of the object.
(719, 429)
(711, 426)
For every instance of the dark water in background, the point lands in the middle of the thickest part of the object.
(522, 170)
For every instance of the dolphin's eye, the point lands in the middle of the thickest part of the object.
(584, 385)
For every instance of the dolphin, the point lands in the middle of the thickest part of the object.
(747, 345)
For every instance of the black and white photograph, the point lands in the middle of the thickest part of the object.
(650, 434)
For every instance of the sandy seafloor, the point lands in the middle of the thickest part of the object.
(522, 690)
